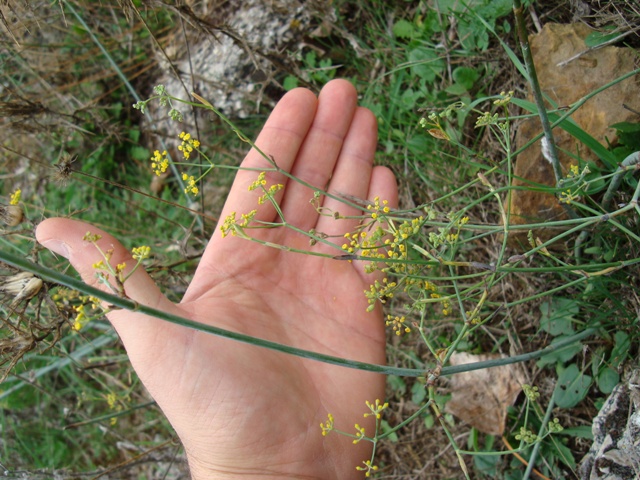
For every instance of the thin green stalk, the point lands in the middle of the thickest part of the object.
(109, 416)
(408, 420)
(536, 447)
(525, 357)
(535, 86)
(50, 275)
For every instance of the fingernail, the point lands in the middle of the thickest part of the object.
(56, 246)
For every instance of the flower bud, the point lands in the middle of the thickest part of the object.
(11, 215)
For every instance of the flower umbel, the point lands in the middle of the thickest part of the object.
(359, 433)
(327, 426)
(376, 409)
(140, 253)
(189, 144)
(159, 162)
(191, 184)
(398, 325)
(369, 467)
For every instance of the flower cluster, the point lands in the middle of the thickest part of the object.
(191, 184)
(530, 392)
(189, 144)
(360, 242)
(88, 310)
(445, 236)
(360, 434)
(140, 253)
(233, 226)
(327, 426)
(379, 292)
(15, 197)
(378, 208)
(104, 269)
(487, 119)
(573, 183)
(369, 468)
(164, 99)
(504, 99)
(260, 184)
(398, 325)
(568, 197)
(526, 436)
(433, 122)
(554, 426)
(159, 162)
(376, 408)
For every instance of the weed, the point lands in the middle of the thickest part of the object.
(454, 284)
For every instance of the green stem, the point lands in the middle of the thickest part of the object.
(50, 275)
(631, 160)
(535, 86)
(536, 447)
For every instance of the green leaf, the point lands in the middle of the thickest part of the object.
(290, 82)
(557, 316)
(572, 387)
(487, 464)
(620, 350)
(387, 428)
(607, 379)
(597, 38)
(429, 421)
(134, 135)
(426, 64)
(581, 431)
(418, 393)
(562, 355)
(404, 29)
(627, 127)
(456, 90)
(465, 76)
(140, 153)
(396, 384)
(565, 455)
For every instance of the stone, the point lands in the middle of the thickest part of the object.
(615, 452)
(565, 85)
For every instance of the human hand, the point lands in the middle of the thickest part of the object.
(239, 409)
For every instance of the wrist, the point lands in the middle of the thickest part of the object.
(199, 471)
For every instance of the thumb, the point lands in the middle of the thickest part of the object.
(139, 332)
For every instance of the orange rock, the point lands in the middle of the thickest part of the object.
(565, 85)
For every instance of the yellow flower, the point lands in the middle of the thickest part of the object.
(159, 162)
(191, 184)
(327, 426)
(140, 253)
(188, 144)
(376, 409)
(15, 197)
(359, 434)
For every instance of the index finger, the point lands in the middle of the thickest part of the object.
(280, 139)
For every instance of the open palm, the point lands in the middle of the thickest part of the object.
(244, 410)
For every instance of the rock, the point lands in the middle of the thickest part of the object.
(565, 85)
(233, 52)
(615, 453)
